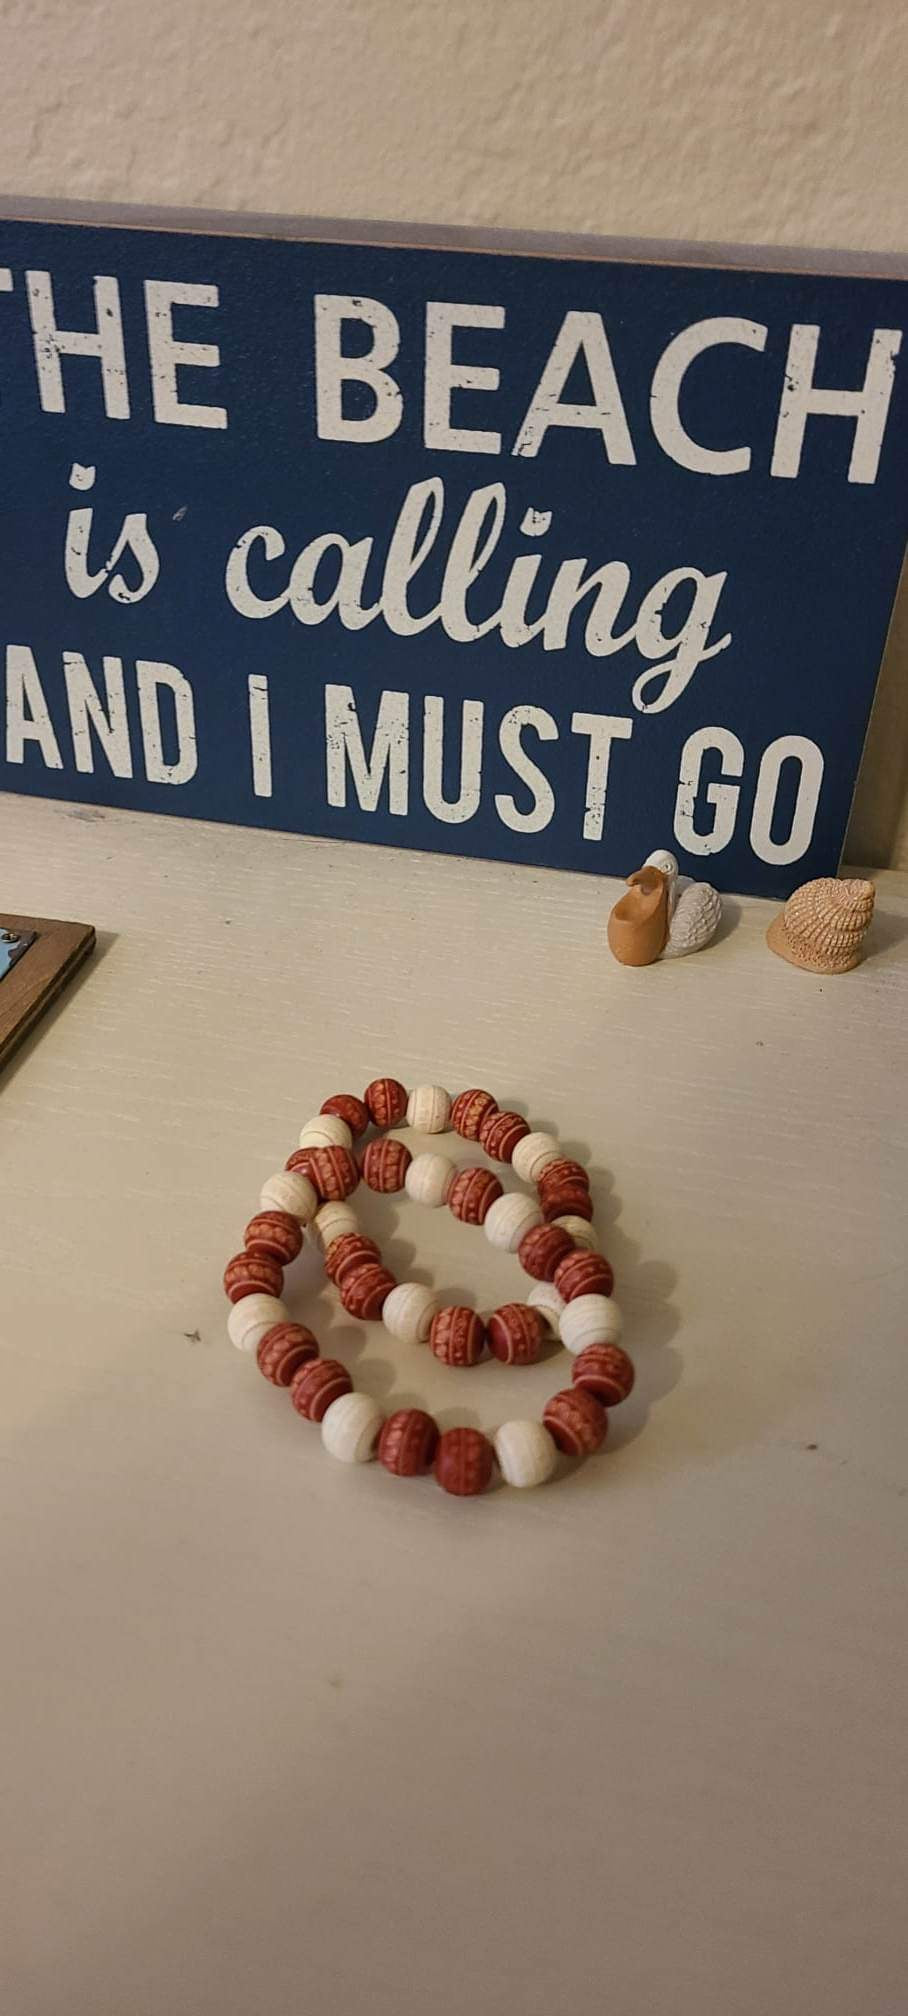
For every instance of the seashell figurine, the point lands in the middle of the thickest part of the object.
(638, 924)
(694, 908)
(822, 925)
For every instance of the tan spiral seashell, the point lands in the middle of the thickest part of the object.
(822, 925)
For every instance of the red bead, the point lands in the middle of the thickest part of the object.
(407, 1443)
(563, 1175)
(300, 1162)
(575, 1421)
(365, 1291)
(385, 1164)
(469, 1111)
(284, 1349)
(500, 1133)
(584, 1274)
(386, 1099)
(319, 1382)
(605, 1371)
(471, 1193)
(252, 1274)
(334, 1172)
(349, 1108)
(275, 1235)
(515, 1334)
(566, 1204)
(351, 1250)
(457, 1336)
(542, 1248)
(463, 1461)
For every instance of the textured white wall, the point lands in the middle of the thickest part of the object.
(781, 122)
(680, 118)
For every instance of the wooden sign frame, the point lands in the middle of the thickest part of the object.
(41, 973)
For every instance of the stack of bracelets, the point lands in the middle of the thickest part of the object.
(550, 1233)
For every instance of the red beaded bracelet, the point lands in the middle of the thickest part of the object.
(551, 1236)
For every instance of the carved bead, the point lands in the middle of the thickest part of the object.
(334, 1172)
(579, 1230)
(591, 1319)
(509, 1218)
(563, 1174)
(318, 1385)
(408, 1312)
(276, 1234)
(365, 1291)
(605, 1371)
(463, 1462)
(349, 1108)
(300, 1163)
(429, 1109)
(541, 1249)
(351, 1427)
(557, 1204)
(283, 1350)
(545, 1297)
(250, 1318)
(525, 1453)
(500, 1133)
(407, 1443)
(351, 1250)
(251, 1274)
(533, 1153)
(576, 1421)
(457, 1336)
(469, 1111)
(334, 1221)
(471, 1193)
(428, 1179)
(326, 1130)
(584, 1274)
(290, 1191)
(516, 1333)
(385, 1164)
(386, 1099)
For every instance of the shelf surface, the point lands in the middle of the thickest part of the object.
(288, 1736)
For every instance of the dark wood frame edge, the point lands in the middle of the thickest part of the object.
(40, 975)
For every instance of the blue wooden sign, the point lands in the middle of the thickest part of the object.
(553, 559)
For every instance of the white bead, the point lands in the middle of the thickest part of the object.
(251, 1317)
(531, 1155)
(326, 1130)
(509, 1218)
(333, 1221)
(544, 1296)
(351, 1427)
(591, 1319)
(429, 1178)
(581, 1233)
(526, 1453)
(408, 1311)
(289, 1191)
(429, 1109)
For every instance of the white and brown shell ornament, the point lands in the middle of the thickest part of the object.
(823, 924)
(664, 915)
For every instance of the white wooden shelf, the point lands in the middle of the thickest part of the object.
(286, 1737)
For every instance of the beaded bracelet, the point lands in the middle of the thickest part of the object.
(551, 1235)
